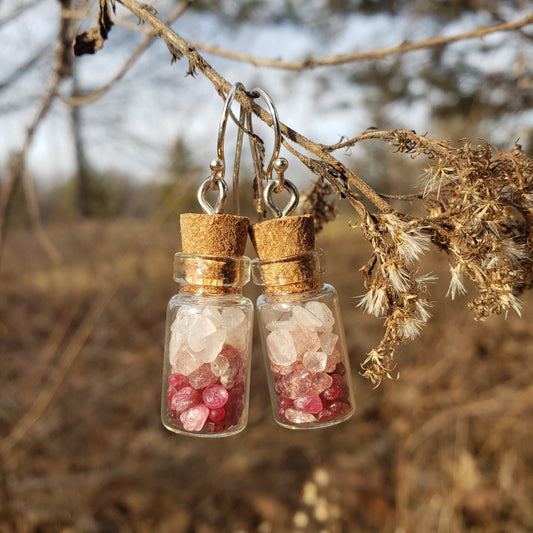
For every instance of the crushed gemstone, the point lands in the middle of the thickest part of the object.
(208, 355)
(305, 359)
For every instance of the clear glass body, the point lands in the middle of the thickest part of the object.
(307, 362)
(206, 371)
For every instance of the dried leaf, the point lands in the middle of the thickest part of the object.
(104, 18)
(319, 201)
(91, 40)
(88, 42)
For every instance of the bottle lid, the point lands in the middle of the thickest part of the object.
(287, 261)
(213, 259)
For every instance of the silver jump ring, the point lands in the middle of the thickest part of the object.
(272, 187)
(222, 196)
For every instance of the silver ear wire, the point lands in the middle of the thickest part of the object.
(218, 165)
(277, 164)
(224, 119)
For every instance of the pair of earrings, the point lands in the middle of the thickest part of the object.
(208, 342)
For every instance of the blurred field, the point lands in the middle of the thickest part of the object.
(447, 448)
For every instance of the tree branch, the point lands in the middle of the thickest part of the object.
(97, 93)
(178, 48)
(380, 53)
(479, 207)
(18, 163)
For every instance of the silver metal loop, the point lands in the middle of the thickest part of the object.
(224, 119)
(294, 197)
(222, 196)
(218, 164)
(275, 126)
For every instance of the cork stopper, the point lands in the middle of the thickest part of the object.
(285, 247)
(218, 235)
(213, 246)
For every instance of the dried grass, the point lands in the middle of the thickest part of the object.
(446, 448)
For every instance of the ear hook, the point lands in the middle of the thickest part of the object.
(218, 165)
(224, 121)
(275, 126)
(279, 164)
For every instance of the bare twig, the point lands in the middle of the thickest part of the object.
(433, 42)
(23, 69)
(33, 210)
(467, 196)
(178, 48)
(97, 93)
(18, 163)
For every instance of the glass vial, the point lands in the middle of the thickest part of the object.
(301, 331)
(208, 336)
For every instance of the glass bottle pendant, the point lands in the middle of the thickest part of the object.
(209, 331)
(303, 339)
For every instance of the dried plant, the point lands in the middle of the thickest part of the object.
(319, 201)
(477, 205)
(478, 209)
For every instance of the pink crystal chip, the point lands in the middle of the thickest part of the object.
(218, 414)
(310, 403)
(170, 394)
(215, 396)
(202, 377)
(184, 399)
(284, 402)
(295, 384)
(298, 417)
(178, 381)
(321, 381)
(337, 407)
(337, 390)
(325, 414)
(194, 418)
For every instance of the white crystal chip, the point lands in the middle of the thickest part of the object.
(232, 317)
(322, 312)
(186, 361)
(213, 314)
(213, 345)
(271, 313)
(315, 361)
(305, 318)
(200, 328)
(280, 347)
(298, 417)
(305, 340)
(282, 324)
(328, 341)
(176, 340)
(220, 365)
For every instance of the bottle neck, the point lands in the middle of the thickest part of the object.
(209, 275)
(290, 275)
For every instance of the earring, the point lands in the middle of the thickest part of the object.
(299, 319)
(209, 323)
